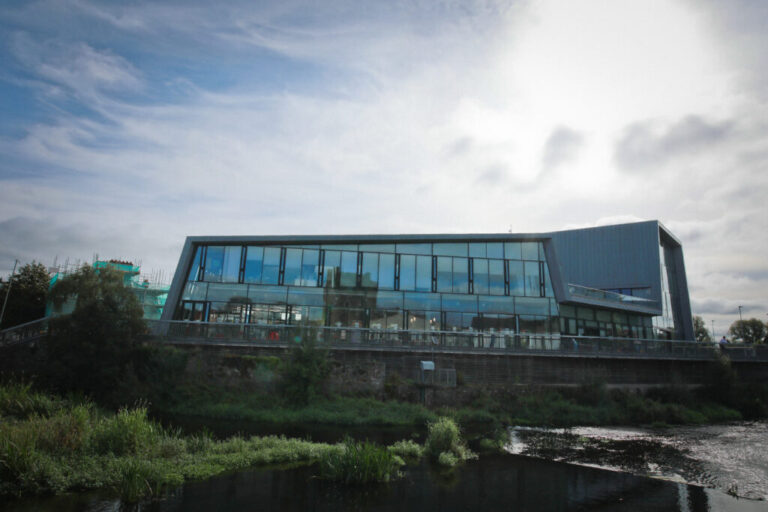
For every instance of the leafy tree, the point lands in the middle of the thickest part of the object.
(700, 331)
(93, 349)
(750, 331)
(26, 301)
(304, 371)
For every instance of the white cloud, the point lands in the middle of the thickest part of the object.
(419, 124)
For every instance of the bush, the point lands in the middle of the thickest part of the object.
(447, 459)
(407, 449)
(360, 463)
(444, 436)
(127, 433)
(19, 401)
(304, 372)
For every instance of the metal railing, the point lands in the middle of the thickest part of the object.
(594, 293)
(24, 333)
(212, 333)
(442, 341)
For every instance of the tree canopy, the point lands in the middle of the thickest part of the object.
(749, 331)
(92, 349)
(700, 331)
(26, 301)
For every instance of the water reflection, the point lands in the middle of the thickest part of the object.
(495, 482)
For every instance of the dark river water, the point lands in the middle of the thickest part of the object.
(577, 469)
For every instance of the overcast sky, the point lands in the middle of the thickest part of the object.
(125, 128)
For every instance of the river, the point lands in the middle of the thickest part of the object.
(679, 469)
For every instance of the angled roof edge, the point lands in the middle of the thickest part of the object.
(409, 237)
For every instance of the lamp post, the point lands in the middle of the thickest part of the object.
(740, 319)
(713, 331)
(8, 291)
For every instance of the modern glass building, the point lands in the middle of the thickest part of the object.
(623, 281)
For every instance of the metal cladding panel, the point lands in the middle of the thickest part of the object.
(621, 256)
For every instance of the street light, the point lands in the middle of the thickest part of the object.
(713, 330)
(740, 319)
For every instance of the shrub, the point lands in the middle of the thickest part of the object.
(304, 372)
(444, 435)
(125, 433)
(360, 463)
(66, 431)
(407, 449)
(447, 459)
(19, 401)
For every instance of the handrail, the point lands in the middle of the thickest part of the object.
(503, 342)
(282, 335)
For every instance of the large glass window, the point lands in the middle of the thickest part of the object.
(222, 264)
(292, 276)
(423, 301)
(530, 250)
(377, 248)
(533, 324)
(254, 259)
(224, 292)
(306, 296)
(214, 263)
(386, 272)
(228, 312)
(516, 278)
(267, 294)
(310, 266)
(496, 277)
(194, 271)
(458, 249)
(231, 267)
(490, 304)
(444, 274)
(271, 271)
(332, 269)
(533, 306)
(532, 284)
(407, 272)
(414, 249)
(424, 273)
(477, 250)
(459, 302)
(370, 276)
(460, 276)
(495, 250)
(348, 269)
(480, 276)
(268, 314)
(512, 251)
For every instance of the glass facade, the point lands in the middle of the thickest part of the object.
(451, 286)
(475, 286)
(665, 324)
(589, 321)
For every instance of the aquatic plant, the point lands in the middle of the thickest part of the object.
(407, 449)
(360, 463)
(444, 436)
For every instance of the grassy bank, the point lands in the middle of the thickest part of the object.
(584, 405)
(227, 404)
(49, 445)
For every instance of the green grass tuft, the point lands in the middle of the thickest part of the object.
(360, 463)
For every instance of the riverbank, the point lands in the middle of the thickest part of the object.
(543, 407)
(50, 445)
